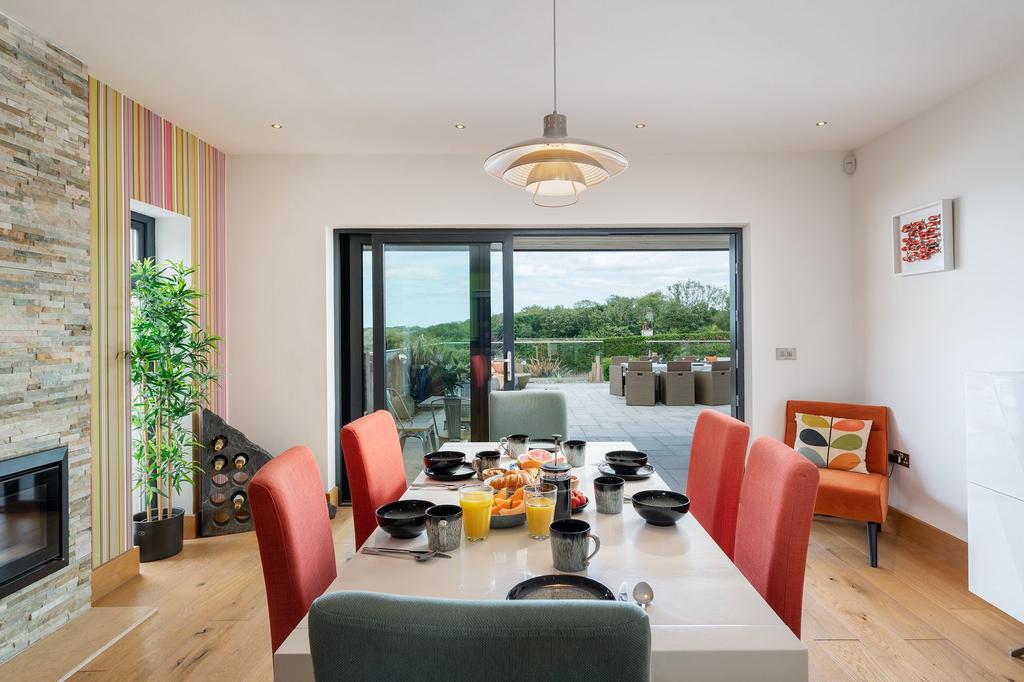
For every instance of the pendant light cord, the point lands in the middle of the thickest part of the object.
(554, 52)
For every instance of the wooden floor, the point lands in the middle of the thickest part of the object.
(910, 619)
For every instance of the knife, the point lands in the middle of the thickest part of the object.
(411, 552)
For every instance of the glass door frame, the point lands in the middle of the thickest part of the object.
(479, 243)
(348, 329)
(349, 247)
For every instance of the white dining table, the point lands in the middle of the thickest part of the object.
(707, 621)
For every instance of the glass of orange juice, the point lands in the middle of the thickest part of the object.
(540, 509)
(476, 502)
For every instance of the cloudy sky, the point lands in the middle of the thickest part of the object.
(426, 288)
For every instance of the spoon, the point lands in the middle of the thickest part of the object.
(643, 594)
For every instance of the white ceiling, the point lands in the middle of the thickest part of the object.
(385, 77)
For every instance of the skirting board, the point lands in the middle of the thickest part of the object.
(948, 548)
(190, 527)
(109, 576)
(75, 645)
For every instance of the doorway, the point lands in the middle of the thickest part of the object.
(432, 308)
(454, 315)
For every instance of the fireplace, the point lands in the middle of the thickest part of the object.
(33, 518)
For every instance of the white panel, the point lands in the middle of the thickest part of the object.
(623, 242)
(995, 529)
(995, 431)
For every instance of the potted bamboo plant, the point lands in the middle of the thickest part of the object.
(170, 357)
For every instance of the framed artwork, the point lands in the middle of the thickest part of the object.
(922, 239)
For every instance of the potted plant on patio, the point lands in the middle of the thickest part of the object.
(170, 357)
(451, 374)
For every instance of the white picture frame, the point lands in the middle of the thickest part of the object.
(923, 239)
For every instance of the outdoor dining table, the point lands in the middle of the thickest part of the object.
(661, 367)
(707, 621)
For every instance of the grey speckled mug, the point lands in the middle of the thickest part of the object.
(608, 492)
(569, 545)
(575, 452)
(444, 527)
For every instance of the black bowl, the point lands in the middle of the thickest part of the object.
(660, 507)
(404, 519)
(444, 460)
(626, 461)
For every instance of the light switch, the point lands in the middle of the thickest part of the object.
(785, 353)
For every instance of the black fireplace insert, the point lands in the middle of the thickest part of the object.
(33, 518)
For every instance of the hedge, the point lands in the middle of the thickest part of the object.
(635, 346)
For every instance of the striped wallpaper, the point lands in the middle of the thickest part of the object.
(136, 154)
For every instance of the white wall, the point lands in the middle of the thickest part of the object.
(920, 334)
(798, 270)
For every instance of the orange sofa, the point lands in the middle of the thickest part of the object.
(849, 494)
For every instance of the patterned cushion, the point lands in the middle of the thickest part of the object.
(833, 442)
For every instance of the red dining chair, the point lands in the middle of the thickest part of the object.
(293, 530)
(716, 468)
(773, 526)
(376, 473)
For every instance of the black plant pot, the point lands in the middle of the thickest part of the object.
(159, 538)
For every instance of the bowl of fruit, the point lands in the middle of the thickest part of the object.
(535, 458)
(578, 500)
(508, 509)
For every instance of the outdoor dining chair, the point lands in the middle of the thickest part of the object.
(426, 434)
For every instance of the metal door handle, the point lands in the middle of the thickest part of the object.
(508, 366)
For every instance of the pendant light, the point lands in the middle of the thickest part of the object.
(555, 168)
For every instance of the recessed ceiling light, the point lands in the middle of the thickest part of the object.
(639, 125)
(821, 124)
(460, 126)
(276, 126)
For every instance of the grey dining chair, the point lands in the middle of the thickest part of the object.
(538, 413)
(370, 636)
(427, 434)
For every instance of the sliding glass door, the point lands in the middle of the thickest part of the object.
(426, 330)
(436, 333)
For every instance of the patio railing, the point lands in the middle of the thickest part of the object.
(573, 359)
(563, 358)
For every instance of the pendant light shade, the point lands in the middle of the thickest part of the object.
(555, 168)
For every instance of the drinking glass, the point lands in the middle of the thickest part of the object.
(476, 502)
(540, 509)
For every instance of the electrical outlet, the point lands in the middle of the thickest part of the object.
(900, 457)
(785, 353)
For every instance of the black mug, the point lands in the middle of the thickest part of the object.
(608, 491)
(569, 545)
(444, 527)
(575, 452)
(514, 445)
(488, 459)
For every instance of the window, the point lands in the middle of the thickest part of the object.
(143, 236)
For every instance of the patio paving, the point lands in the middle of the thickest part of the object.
(663, 432)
